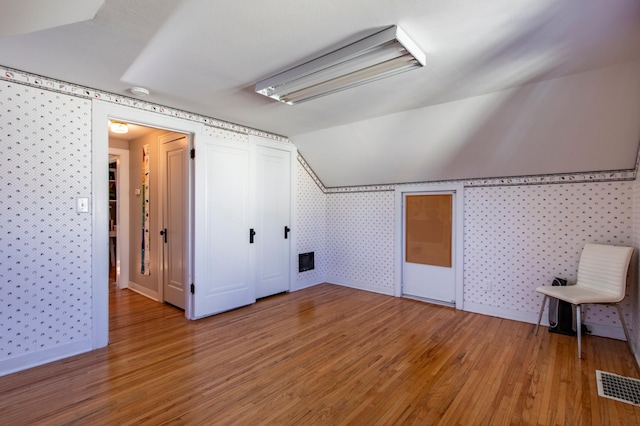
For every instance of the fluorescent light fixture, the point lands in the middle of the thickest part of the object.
(118, 127)
(381, 55)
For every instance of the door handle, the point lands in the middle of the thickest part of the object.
(164, 234)
(252, 233)
(286, 232)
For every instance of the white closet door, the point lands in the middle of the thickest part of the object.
(274, 221)
(224, 214)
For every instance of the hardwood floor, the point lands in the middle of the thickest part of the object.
(324, 355)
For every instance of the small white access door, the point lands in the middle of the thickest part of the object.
(274, 221)
(224, 258)
(430, 264)
(174, 171)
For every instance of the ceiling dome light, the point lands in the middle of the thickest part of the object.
(118, 127)
(139, 91)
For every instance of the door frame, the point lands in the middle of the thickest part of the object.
(102, 112)
(458, 231)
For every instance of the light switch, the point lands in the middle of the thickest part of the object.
(82, 205)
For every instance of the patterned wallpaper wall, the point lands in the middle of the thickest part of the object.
(45, 246)
(521, 237)
(229, 136)
(360, 240)
(312, 227)
(631, 304)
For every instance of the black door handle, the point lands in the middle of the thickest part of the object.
(286, 232)
(252, 233)
(164, 234)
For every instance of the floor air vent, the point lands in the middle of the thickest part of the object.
(620, 388)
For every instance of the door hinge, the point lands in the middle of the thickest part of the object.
(193, 288)
(193, 153)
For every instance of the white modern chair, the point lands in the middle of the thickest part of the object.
(602, 279)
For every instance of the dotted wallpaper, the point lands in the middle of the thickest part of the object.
(631, 304)
(226, 135)
(360, 239)
(45, 246)
(312, 227)
(520, 237)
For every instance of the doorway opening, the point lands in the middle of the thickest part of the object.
(102, 112)
(139, 209)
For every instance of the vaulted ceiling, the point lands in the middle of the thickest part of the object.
(509, 88)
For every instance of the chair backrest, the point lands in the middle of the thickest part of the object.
(604, 268)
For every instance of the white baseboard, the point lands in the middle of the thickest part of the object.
(504, 313)
(23, 362)
(144, 291)
(360, 285)
(606, 331)
(306, 284)
(532, 318)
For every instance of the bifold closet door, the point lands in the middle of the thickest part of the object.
(224, 215)
(273, 222)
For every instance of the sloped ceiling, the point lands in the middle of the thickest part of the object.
(510, 88)
(25, 16)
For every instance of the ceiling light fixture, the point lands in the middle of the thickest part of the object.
(381, 55)
(139, 91)
(118, 127)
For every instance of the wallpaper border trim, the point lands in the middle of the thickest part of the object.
(33, 80)
(581, 177)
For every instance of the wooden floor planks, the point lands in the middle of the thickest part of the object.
(324, 355)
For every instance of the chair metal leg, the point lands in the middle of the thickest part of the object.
(624, 325)
(540, 314)
(579, 330)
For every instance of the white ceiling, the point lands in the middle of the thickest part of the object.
(24, 16)
(134, 131)
(489, 63)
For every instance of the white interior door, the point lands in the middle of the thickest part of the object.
(428, 268)
(174, 154)
(274, 222)
(224, 215)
